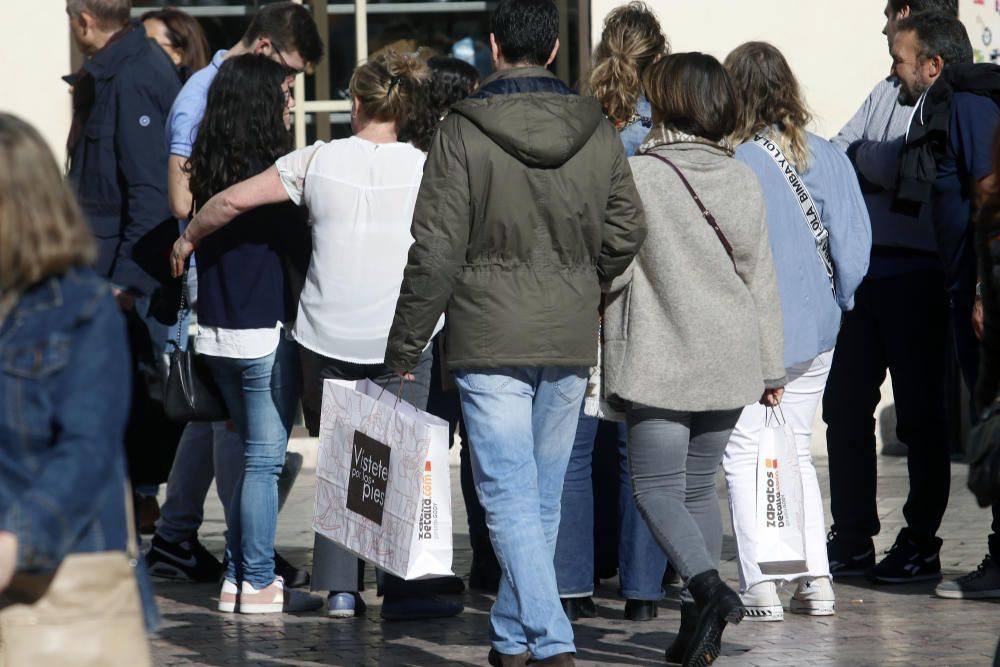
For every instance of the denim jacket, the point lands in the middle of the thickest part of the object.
(64, 392)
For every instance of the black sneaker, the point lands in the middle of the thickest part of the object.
(910, 558)
(981, 584)
(187, 561)
(849, 556)
(293, 576)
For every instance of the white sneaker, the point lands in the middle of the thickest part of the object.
(228, 597)
(762, 603)
(268, 600)
(275, 598)
(814, 597)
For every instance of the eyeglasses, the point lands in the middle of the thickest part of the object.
(289, 70)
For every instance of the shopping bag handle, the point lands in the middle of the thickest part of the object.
(774, 414)
(399, 394)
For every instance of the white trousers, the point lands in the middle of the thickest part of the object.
(802, 395)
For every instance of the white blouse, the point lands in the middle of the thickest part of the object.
(360, 197)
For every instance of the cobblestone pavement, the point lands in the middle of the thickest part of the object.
(900, 625)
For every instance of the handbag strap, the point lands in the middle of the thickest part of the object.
(131, 539)
(709, 218)
(180, 309)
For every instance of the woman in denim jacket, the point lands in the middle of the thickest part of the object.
(631, 40)
(64, 377)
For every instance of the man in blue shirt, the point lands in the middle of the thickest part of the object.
(286, 32)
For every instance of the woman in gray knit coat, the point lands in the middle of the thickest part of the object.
(693, 330)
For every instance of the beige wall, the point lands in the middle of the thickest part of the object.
(35, 52)
(835, 47)
(982, 20)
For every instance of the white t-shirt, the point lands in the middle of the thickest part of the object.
(360, 197)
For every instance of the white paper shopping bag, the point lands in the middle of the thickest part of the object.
(383, 490)
(781, 545)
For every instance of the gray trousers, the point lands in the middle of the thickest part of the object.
(674, 457)
(335, 569)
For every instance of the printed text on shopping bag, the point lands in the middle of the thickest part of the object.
(369, 477)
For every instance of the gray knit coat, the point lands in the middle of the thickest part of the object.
(684, 329)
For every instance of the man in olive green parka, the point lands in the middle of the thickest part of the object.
(526, 208)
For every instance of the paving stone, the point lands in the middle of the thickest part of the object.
(902, 625)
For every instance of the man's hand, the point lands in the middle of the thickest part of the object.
(772, 397)
(977, 317)
(8, 558)
(178, 256)
(126, 302)
(406, 375)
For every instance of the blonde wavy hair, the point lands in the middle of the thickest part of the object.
(630, 42)
(386, 86)
(769, 98)
(42, 231)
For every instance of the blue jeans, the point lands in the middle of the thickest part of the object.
(521, 423)
(641, 562)
(261, 395)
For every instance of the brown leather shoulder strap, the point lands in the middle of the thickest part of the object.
(709, 218)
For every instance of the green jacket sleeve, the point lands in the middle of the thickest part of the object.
(440, 231)
(624, 218)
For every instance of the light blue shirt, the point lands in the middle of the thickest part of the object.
(811, 313)
(189, 108)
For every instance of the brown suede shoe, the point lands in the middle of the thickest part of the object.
(557, 660)
(497, 659)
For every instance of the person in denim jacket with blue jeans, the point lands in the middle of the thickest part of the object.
(64, 374)
(630, 41)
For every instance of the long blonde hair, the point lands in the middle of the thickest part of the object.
(630, 41)
(42, 231)
(769, 97)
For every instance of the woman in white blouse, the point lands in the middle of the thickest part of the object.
(360, 193)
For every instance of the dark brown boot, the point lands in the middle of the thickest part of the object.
(497, 659)
(557, 660)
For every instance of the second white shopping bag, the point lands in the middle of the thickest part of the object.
(383, 490)
(781, 546)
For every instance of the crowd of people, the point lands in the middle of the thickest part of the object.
(674, 230)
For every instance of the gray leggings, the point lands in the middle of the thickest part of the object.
(674, 457)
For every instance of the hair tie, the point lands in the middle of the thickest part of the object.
(393, 82)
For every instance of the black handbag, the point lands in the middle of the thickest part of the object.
(984, 457)
(192, 394)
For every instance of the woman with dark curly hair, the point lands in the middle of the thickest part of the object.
(451, 81)
(244, 302)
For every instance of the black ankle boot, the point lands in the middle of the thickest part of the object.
(717, 605)
(577, 608)
(640, 610)
(689, 621)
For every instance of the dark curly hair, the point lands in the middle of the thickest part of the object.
(243, 131)
(451, 81)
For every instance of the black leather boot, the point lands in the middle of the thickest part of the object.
(717, 605)
(577, 608)
(689, 621)
(640, 610)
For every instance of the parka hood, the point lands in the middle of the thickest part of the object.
(533, 116)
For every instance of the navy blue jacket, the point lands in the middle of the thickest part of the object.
(119, 165)
(64, 401)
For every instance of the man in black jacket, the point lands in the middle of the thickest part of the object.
(945, 161)
(118, 168)
(118, 159)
